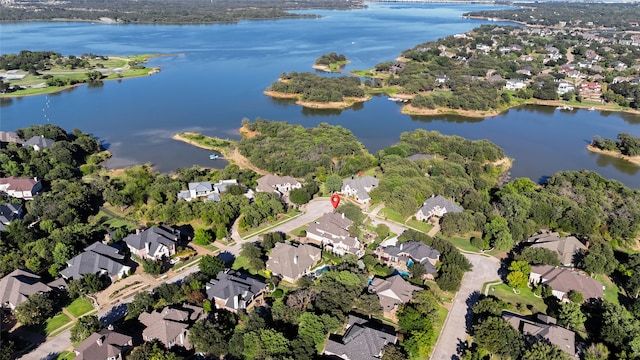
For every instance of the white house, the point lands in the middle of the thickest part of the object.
(21, 188)
(280, 184)
(437, 206)
(332, 230)
(360, 187)
(515, 84)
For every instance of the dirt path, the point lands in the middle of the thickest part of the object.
(244, 163)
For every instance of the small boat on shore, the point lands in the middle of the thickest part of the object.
(397, 99)
(214, 157)
(591, 108)
(565, 107)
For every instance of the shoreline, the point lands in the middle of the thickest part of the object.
(635, 160)
(349, 101)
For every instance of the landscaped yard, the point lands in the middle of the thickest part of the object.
(425, 227)
(80, 306)
(66, 355)
(391, 215)
(56, 322)
(611, 291)
(529, 303)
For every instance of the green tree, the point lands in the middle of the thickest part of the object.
(518, 277)
(538, 256)
(333, 183)
(497, 233)
(571, 316)
(599, 259)
(352, 212)
(417, 270)
(142, 301)
(84, 327)
(299, 196)
(35, 310)
(383, 231)
(152, 350)
(253, 254)
(311, 326)
(207, 338)
(203, 237)
(210, 265)
(576, 296)
(393, 352)
(498, 337)
(543, 350)
(91, 283)
(597, 351)
(152, 267)
(369, 304)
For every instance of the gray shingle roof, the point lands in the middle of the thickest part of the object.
(392, 291)
(566, 280)
(417, 251)
(40, 141)
(234, 284)
(8, 213)
(90, 262)
(201, 186)
(155, 236)
(18, 285)
(416, 157)
(559, 336)
(112, 344)
(335, 224)
(360, 185)
(360, 341)
(165, 325)
(292, 261)
(565, 248)
(440, 201)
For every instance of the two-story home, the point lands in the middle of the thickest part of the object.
(196, 190)
(402, 255)
(8, 213)
(105, 344)
(99, 259)
(291, 262)
(437, 206)
(153, 243)
(170, 326)
(16, 288)
(565, 248)
(544, 328)
(515, 84)
(360, 187)
(21, 188)
(279, 184)
(332, 231)
(392, 292)
(562, 281)
(234, 290)
(362, 339)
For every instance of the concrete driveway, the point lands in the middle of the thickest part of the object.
(454, 331)
(50, 349)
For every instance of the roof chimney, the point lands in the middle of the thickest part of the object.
(295, 259)
(99, 340)
(137, 231)
(343, 215)
(110, 327)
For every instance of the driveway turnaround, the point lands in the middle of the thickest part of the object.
(454, 331)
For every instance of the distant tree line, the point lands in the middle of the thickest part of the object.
(167, 11)
(330, 58)
(34, 61)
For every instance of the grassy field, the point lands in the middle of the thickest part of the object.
(391, 215)
(55, 322)
(611, 290)
(80, 306)
(529, 303)
(425, 227)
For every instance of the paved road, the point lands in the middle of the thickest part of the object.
(454, 331)
(50, 349)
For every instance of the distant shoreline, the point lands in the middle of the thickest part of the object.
(635, 160)
(340, 105)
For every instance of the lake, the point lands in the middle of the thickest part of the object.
(218, 73)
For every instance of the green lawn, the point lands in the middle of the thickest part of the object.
(391, 215)
(530, 304)
(425, 227)
(611, 290)
(66, 355)
(461, 243)
(56, 322)
(182, 264)
(80, 306)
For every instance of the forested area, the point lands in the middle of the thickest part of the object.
(165, 11)
(34, 61)
(315, 88)
(330, 58)
(626, 144)
(321, 150)
(460, 170)
(617, 16)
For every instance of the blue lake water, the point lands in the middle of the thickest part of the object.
(218, 73)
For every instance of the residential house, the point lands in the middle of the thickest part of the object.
(483, 48)
(235, 290)
(402, 255)
(196, 190)
(362, 340)
(360, 187)
(104, 345)
(564, 248)
(170, 326)
(16, 288)
(12, 75)
(564, 87)
(515, 84)
(99, 259)
(21, 188)
(441, 79)
(392, 292)
(10, 137)
(332, 230)
(280, 184)
(8, 213)
(437, 206)
(291, 262)
(39, 142)
(562, 281)
(544, 329)
(153, 243)
(590, 89)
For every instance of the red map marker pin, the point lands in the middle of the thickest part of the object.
(335, 200)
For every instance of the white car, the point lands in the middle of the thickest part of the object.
(174, 260)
